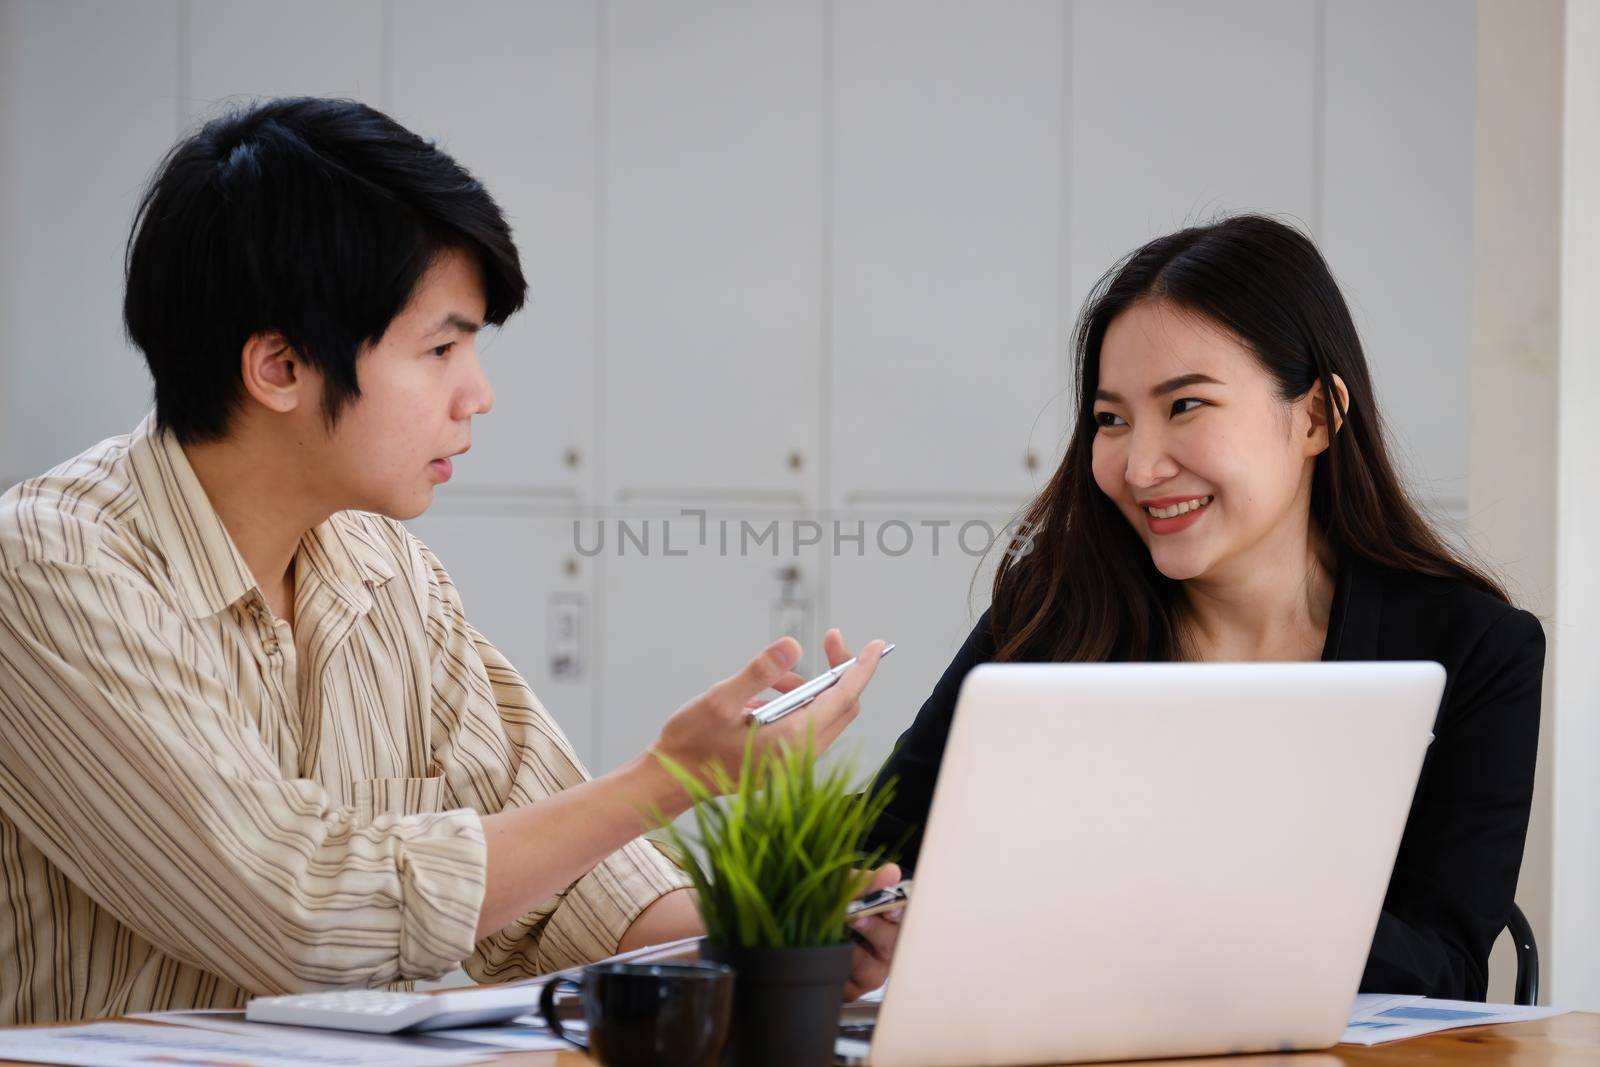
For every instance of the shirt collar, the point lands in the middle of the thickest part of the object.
(201, 557)
(340, 553)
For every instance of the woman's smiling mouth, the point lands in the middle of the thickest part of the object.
(1170, 515)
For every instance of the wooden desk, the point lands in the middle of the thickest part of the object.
(1560, 1042)
(1563, 1041)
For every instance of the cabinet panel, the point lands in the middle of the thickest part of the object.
(682, 613)
(508, 89)
(1397, 222)
(920, 581)
(88, 106)
(947, 194)
(712, 248)
(1182, 111)
(238, 49)
(527, 590)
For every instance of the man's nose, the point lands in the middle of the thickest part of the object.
(478, 396)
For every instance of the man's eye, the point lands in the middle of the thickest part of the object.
(443, 350)
(1107, 420)
(1182, 407)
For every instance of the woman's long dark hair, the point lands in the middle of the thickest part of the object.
(1087, 590)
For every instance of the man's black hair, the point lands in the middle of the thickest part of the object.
(315, 218)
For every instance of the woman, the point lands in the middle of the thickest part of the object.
(1213, 505)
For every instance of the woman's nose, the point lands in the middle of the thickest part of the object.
(1149, 462)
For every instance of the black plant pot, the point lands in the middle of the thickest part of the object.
(785, 1003)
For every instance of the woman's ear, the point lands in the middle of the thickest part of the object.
(1317, 436)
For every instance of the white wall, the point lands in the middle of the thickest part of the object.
(89, 99)
(1515, 372)
(793, 261)
(1575, 888)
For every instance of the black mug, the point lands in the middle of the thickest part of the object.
(649, 1013)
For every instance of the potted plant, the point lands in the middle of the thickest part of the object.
(777, 858)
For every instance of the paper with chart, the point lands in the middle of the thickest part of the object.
(136, 1045)
(525, 1032)
(1377, 1018)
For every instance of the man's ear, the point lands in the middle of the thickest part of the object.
(1317, 436)
(273, 372)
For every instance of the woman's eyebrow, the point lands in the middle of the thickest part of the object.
(1171, 385)
(1183, 381)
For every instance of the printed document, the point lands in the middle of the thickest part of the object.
(135, 1045)
(1378, 1018)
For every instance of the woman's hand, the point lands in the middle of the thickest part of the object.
(875, 938)
(712, 727)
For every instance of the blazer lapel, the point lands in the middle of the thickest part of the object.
(1357, 612)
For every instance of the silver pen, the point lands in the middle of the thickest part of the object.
(801, 695)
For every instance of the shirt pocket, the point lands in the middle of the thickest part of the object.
(397, 796)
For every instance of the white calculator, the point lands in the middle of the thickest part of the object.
(377, 1011)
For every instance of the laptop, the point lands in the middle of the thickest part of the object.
(1146, 860)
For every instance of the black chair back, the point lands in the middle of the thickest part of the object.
(1527, 957)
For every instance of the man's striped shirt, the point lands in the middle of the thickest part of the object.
(198, 805)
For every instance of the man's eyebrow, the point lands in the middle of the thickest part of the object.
(1171, 385)
(457, 321)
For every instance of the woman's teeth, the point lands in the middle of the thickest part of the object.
(1179, 509)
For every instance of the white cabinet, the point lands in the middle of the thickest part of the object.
(235, 50)
(526, 588)
(508, 89)
(1397, 216)
(921, 581)
(946, 362)
(682, 612)
(1182, 111)
(88, 104)
(712, 249)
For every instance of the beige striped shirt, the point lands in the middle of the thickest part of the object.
(197, 805)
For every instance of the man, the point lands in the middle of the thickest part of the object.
(249, 743)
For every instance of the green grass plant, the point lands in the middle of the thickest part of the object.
(777, 855)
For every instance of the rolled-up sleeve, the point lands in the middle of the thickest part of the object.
(131, 764)
(501, 749)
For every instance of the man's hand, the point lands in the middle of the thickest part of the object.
(875, 939)
(712, 727)
(537, 849)
(832, 645)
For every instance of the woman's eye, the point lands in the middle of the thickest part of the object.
(1107, 420)
(443, 350)
(1183, 407)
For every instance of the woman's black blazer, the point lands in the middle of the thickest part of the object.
(1456, 873)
